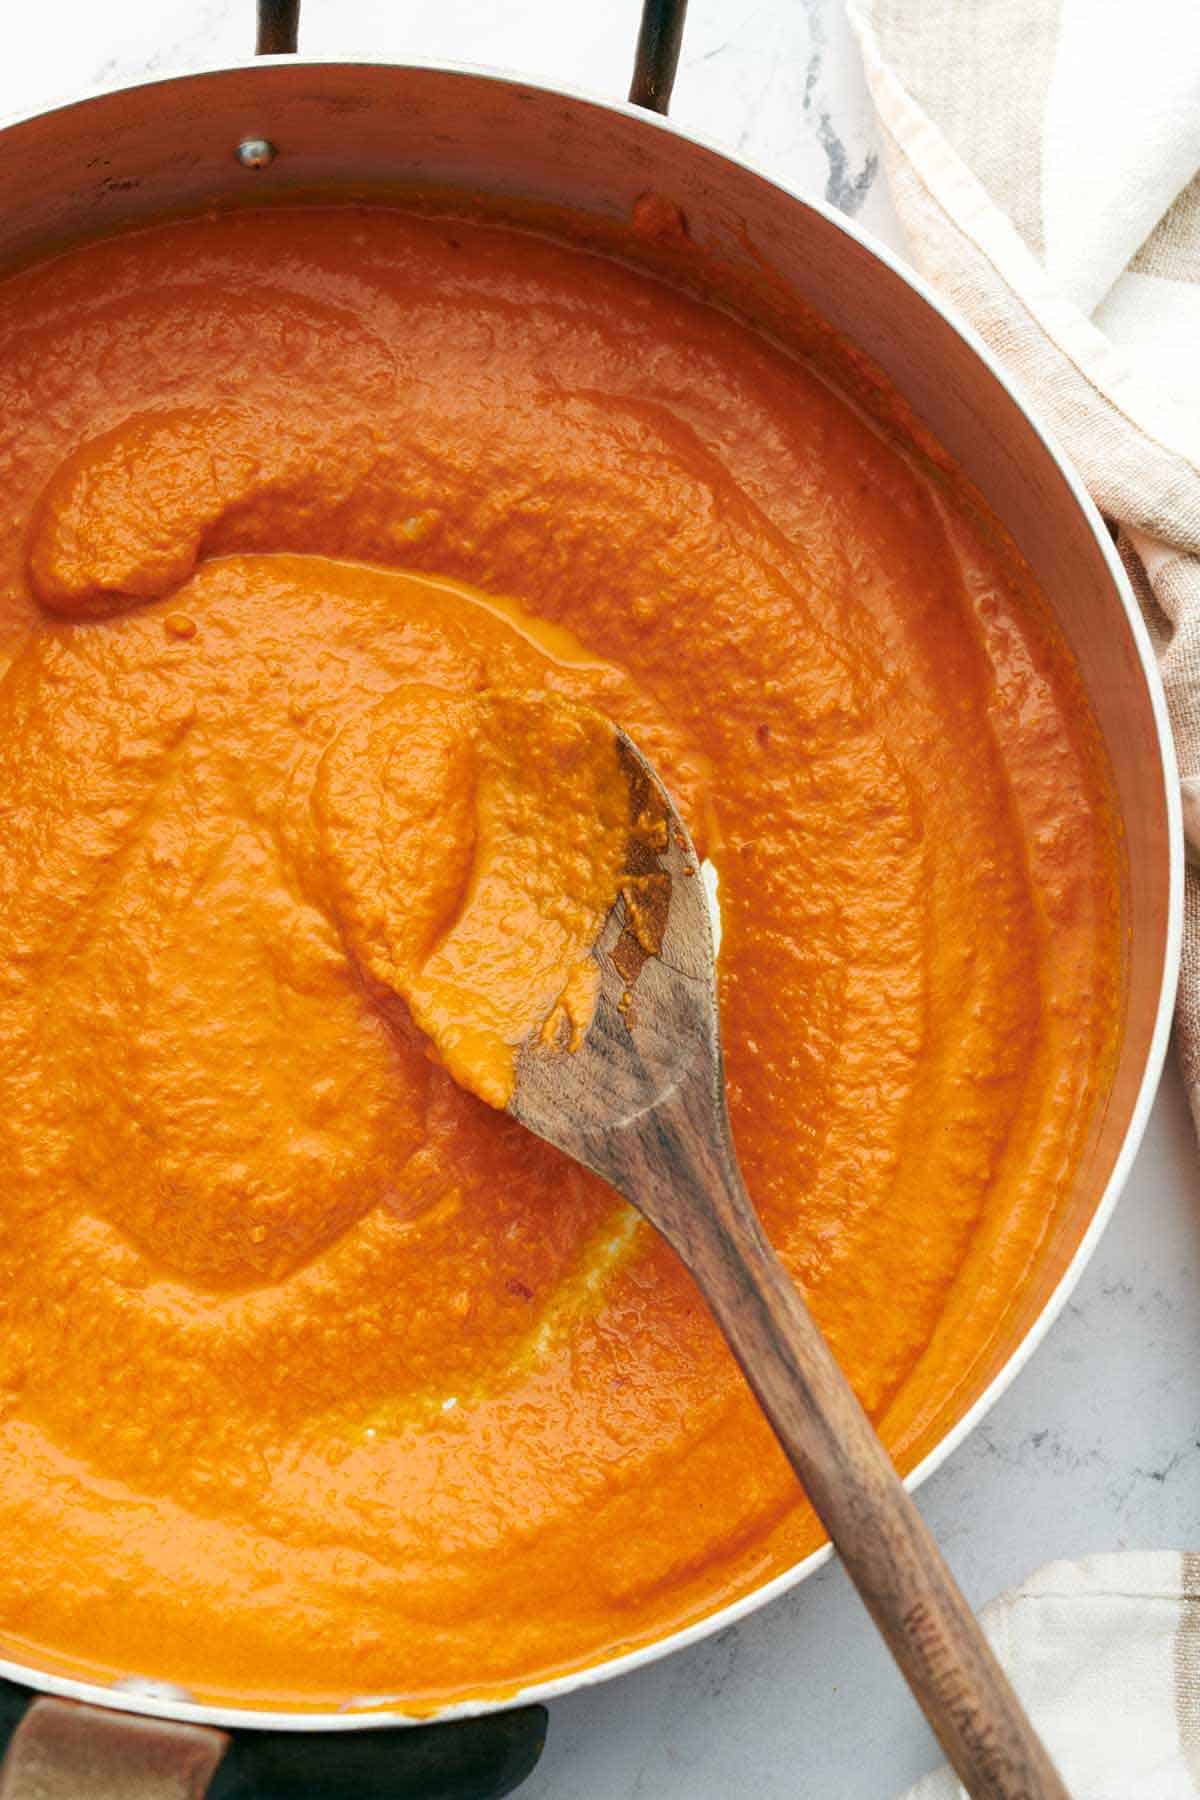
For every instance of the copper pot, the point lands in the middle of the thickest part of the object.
(278, 125)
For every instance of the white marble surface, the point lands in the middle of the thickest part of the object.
(1097, 1445)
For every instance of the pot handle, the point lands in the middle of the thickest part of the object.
(278, 27)
(657, 57)
(655, 61)
(63, 1750)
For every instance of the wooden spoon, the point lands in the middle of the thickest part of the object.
(641, 1101)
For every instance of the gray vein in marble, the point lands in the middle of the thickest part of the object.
(818, 43)
(843, 190)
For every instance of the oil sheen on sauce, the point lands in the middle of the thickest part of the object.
(319, 1377)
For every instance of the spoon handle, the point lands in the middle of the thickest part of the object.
(882, 1540)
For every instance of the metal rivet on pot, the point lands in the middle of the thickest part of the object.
(256, 153)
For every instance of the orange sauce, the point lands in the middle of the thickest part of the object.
(475, 846)
(319, 1377)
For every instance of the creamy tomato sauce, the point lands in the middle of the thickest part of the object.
(319, 1377)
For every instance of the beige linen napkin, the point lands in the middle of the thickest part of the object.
(1106, 1655)
(1043, 158)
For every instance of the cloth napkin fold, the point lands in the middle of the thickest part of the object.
(1043, 157)
(1105, 1653)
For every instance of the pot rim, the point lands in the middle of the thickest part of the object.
(161, 1700)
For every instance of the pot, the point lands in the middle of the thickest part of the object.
(275, 127)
